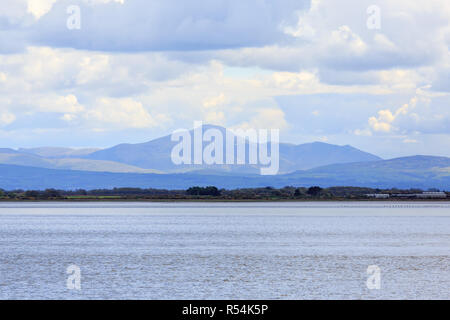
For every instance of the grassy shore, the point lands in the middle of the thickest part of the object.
(213, 194)
(208, 199)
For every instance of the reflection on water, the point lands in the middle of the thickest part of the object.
(224, 250)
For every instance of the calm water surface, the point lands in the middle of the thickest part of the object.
(225, 250)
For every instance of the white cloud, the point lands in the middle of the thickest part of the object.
(304, 28)
(124, 113)
(380, 123)
(426, 113)
(93, 68)
(384, 121)
(365, 132)
(296, 81)
(6, 118)
(410, 141)
(167, 24)
(382, 41)
(68, 117)
(214, 101)
(266, 119)
(59, 104)
(116, 73)
(215, 117)
(38, 8)
(344, 39)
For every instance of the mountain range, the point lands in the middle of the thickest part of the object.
(156, 154)
(149, 164)
(430, 172)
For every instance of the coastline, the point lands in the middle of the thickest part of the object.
(213, 194)
(223, 200)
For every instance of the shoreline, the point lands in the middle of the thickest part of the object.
(226, 200)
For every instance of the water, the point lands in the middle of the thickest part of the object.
(225, 250)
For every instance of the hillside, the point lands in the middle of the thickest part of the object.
(24, 159)
(411, 172)
(155, 154)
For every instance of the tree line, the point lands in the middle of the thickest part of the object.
(199, 192)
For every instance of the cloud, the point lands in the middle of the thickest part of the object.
(215, 117)
(166, 25)
(6, 118)
(345, 40)
(60, 104)
(425, 113)
(333, 37)
(39, 8)
(137, 68)
(214, 101)
(381, 123)
(266, 119)
(384, 121)
(332, 113)
(125, 112)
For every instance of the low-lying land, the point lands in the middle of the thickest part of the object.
(214, 194)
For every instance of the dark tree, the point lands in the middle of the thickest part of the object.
(82, 192)
(32, 194)
(51, 193)
(314, 191)
(200, 191)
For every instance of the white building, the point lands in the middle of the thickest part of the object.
(433, 195)
(378, 195)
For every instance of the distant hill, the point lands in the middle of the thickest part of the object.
(8, 150)
(22, 177)
(156, 154)
(53, 152)
(316, 154)
(25, 159)
(409, 172)
(406, 172)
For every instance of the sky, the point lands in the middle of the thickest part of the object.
(96, 73)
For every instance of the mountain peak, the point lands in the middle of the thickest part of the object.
(156, 154)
